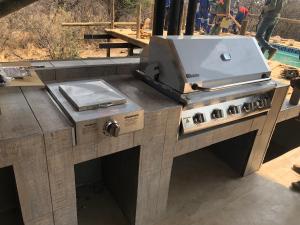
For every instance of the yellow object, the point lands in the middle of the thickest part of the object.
(225, 23)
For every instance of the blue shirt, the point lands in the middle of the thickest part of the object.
(204, 4)
(168, 3)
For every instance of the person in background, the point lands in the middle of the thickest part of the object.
(213, 11)
(203, 12)
(220, 9)
(240, 16)
(269, 19)
(167, 12)
(235, 5)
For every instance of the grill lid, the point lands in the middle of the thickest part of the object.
(188, 63)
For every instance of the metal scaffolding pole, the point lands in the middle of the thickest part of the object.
(174, 18)
(159, 16)
(191, 16)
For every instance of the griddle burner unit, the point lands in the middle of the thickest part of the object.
(97, 109)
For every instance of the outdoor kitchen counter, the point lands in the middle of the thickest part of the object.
(159, 142)
(22, 149)
(160, 131)
(288, 111)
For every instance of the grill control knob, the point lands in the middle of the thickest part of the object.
(216, 114)
(198, 118)
(112, 128)
(247, 107)
(233, 110)
(262, 103)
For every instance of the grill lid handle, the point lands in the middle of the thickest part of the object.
(195, 86)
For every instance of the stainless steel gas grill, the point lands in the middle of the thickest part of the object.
(217, 79)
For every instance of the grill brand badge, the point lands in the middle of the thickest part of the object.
(192, 75)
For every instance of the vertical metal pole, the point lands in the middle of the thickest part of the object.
(159, 16)
(180, 17)
(191, 16)
(138, 23)
(112, 23)
(174, 18)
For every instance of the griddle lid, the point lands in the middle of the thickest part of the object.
(91, 95)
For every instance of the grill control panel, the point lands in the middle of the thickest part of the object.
(220, 113)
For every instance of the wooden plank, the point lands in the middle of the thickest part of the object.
(244, 27)
(138, 23)
(112, 24)
(116, 45)
(185, 9)
(84, 24)
(29, 81)
(97, 36)
(286, 20)
(32, 80)
(128, 35)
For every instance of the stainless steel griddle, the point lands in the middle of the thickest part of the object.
(216, 79)
(96, 109)
(91, 95)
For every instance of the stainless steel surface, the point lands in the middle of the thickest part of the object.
(202, 98)
(92, 124)
(91, 95)
(187, 61)
(217, 79)
(208, 116)
(234, 85)
(111, 128)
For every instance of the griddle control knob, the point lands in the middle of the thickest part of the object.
(247, 107)
(217, 113)
(198, 118)
(233, 110)
(111, 128)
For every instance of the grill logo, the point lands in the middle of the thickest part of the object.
(191, 75)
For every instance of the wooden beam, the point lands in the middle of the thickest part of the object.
(112, 14)
(236, 22)
(287, 20)
(98, 24)
(152, 15)
(116, 45)
(121, 34)
(138, 23)
(227, 5)
(97, 36)
(244, 27)
(183, 23)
